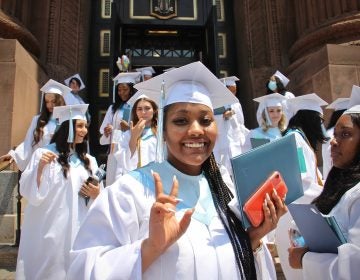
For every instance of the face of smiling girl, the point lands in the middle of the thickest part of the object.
(80, 131)
(190, 133)
(275, 113)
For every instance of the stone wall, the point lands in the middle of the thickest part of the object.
(20, 77)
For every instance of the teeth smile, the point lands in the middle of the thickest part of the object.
(194, 145)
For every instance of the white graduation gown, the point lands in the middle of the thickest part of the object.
(311, 190)
(23, 151)
(113, 119)
(345, 264)
(108, 245)
(231, 137)
(326, 154)
(52, 217)
(126, 162)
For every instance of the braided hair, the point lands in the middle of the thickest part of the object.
(240, 240)
(60, 139)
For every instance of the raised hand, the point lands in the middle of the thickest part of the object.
(164, 228)
(138, 129)
(45, 159)
(107, 130)
(6, 157)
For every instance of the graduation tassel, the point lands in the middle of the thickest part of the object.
(71, 129)
(160, 141)
(113, 93)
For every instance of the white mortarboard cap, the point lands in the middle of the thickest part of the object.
(146, 71)
(126, 77)
(70, 112)
(153, 95)
(193, 83)
(282, 77)
(353, 110)
(67, 81)
(270, 100)
(229, 81)
(53, 86)
(309, 101)
(169, 69)
(355, 96)
(341, 103)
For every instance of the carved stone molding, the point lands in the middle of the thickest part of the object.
(10, 28)
(337, 32)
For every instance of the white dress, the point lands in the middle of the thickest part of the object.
(147, 149)
(108, 245)
(23, 151)
(113, 119)
(311, 190)
(345, 264)
(231, 137)
(52, 216)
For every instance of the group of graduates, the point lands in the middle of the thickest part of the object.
(168, 208)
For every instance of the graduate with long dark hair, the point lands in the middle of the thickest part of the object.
(42, 126)
(58, 196)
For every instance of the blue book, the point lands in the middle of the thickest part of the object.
(322, 234)
(252, 168)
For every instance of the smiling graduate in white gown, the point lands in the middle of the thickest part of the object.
(54, 208)
(170, 219)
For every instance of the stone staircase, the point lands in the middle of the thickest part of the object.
(8, 223)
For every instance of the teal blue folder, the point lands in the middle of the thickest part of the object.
(257, 142)
(251, 169)
(126, 113)
(322, 234)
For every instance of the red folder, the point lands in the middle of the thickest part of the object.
(253, 207)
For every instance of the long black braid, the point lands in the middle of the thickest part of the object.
(239, 238)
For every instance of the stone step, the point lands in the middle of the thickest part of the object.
(8, 256)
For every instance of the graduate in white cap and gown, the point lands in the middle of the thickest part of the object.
(340, 198)
(278, 84)
(146, 72)
(42, 126)
(271, 118)
(339, 106)
(308, 128)
(231, 128)
(52, 183)
(76, 84)
(137, 146)
(116, 119)
(170, 219)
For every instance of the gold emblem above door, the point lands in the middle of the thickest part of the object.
(163, 9)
